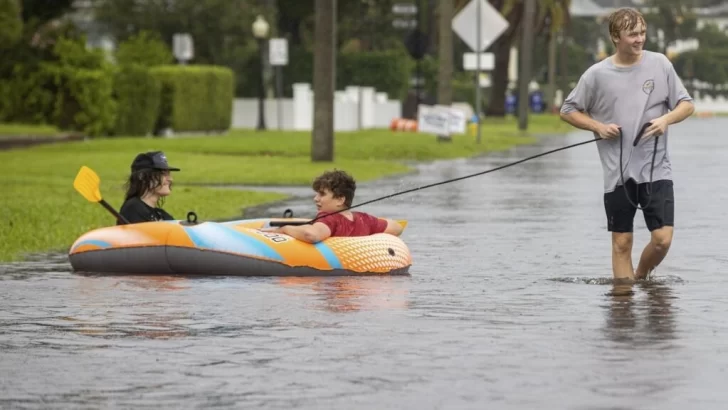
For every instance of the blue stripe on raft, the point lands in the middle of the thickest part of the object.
(94, 242)
(211, 235)
(329, 255)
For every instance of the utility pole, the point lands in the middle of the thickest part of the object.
(324, 80)
(529, 11)
(445, 53)
(477, 69)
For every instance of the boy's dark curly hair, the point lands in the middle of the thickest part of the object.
(341, 184)
(142, 182)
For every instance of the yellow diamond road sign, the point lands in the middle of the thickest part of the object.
(492, 25)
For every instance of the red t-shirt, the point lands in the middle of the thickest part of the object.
(362, 225)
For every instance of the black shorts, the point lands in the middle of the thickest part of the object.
(658, 205)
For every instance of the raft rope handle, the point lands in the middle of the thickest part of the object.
(652, 167)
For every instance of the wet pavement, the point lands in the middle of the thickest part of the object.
(509, 305)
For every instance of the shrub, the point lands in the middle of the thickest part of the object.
(137, 93)
(146, 49)
(11, 25)
(195, 98)
(84, 87)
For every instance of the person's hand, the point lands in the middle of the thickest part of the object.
(273, 229)
(658, 128)
(608, 131)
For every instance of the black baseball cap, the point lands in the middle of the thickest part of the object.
(151, 160)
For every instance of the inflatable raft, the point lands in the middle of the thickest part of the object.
(238, 248)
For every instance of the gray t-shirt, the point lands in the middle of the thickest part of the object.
(629, 97)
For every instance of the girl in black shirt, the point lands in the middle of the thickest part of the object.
(148, 185)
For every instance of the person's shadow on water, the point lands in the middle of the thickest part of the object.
(640, 314)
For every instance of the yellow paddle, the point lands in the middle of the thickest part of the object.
(87, 183)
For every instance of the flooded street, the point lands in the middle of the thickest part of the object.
(509, 306)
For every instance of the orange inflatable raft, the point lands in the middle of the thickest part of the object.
(236, 248)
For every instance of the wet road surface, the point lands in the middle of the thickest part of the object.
(509, 305)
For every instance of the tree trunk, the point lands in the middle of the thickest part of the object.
(501, 50)
(270, 16)
(524, 76)
(324, 80)
(551, 88)
(445, 51)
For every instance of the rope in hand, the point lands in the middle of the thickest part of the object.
(454, 179)
(621, 172)
(652, 168)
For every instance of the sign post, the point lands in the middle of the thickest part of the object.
(278, 56)
(479, 25)
(183, 47)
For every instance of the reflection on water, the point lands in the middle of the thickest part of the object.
(350, 294)
(640, 314)
(141, 314)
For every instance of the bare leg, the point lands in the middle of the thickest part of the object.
(622, 267)
(655, 251)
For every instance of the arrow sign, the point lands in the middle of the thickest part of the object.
(492, 25)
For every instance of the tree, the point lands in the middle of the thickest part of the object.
(218, 27)
(146, 49)
(11, 26)
(551, 13)
(42, 11)
(324, 80)
(674, 18)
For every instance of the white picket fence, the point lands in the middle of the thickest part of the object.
(355, 108)
(358, 108)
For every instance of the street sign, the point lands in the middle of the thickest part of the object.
(417, 81)
(183, 47)
(404, 8)
(487, 61)
(492, 25)
(404, 23)
(278, 51)
(440, 120)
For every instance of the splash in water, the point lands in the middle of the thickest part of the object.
(662, 280)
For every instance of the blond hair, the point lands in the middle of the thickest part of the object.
(625, 18)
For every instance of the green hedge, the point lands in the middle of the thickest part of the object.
(138, 95)
(28, 97)
(195, 98)
(83, 100)
(386, 71)
(69, 98)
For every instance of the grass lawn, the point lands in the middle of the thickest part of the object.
(25, 131)
(42, 211)
(496, 135)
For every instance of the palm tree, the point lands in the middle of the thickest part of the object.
(553, 15)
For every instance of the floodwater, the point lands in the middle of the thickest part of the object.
(509, 306)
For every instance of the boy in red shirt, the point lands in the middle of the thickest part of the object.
(334, 192)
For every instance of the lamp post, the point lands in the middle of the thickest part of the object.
(260, 31)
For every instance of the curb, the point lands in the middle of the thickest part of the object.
(24, 142)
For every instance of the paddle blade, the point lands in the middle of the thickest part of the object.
(87, 184)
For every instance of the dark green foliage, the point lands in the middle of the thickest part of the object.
(195, 98)
(137, 93)
(11, 26)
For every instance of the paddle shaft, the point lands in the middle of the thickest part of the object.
(113, 211)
